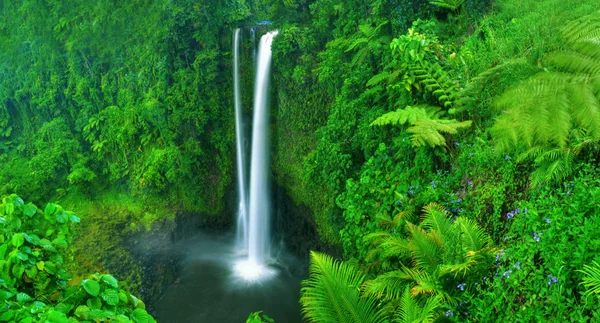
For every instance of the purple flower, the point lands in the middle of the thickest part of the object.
(449, 313)
(456, 144)
(536, 236)
(499, 255)
(568, 192)
(470, 183)
(507, 274)
(517, 266)
(510, 215)
(459, 200)
(433, 184)
(507, 157)
(461, 287)
(547, 220)
(552, 279)
(525, 210)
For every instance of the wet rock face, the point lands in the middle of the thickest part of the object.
(295, 226)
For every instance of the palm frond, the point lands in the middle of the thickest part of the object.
(332, 293)
(592, 278)
(410, 311)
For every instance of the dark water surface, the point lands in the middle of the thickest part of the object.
(209, 291)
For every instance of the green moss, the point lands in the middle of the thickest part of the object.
(100, 243)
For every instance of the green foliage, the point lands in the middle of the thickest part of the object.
(556, 115)
(427, 126)
(442, 251)
(257, 317)
(119, 94)
(332, 293)
(35, 285)
(553, 236)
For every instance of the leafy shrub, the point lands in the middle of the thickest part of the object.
(34, 283)
(538, 277)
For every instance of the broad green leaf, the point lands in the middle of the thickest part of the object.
(60, 242)
(10, 208)
(23, 298)
(74, 218)
(50, 209)
(29, 210)
(140, 316)
(40, 265)
(37, 307)
(82, 311)
(110, 280)
(62, 217)
(57, 317)
(50, 267)
(23, 256)
(94, 303)
(18, 240)
(7, 316)
(111, 297)
(4, 295)
(91, 286)
(32, 272)
(18, 271)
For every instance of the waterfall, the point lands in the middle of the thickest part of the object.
(259, 208)
(242, 220)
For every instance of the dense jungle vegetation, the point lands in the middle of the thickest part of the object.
(449, 147)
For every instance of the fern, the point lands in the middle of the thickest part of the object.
(410, 311)
(555, 115)
(592, 278)
(435, 81)
(437, 248)
(427, 127)
(467, 98)
(331, 294)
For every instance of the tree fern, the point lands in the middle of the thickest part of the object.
(427, 127)
(435, 81)
(332, 294)
(554, 115)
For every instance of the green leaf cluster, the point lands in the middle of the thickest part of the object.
(34, 283)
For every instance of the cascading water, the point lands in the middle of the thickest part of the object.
(258, 233)
(242, 221)
(258, 229)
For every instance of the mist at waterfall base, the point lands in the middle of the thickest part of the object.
(209, 289)
(225, 278)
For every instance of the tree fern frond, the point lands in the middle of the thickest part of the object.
(332, 293)
(584, 28)
(591, 279)
(436, 81)
(576, 61)
(429, 132)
